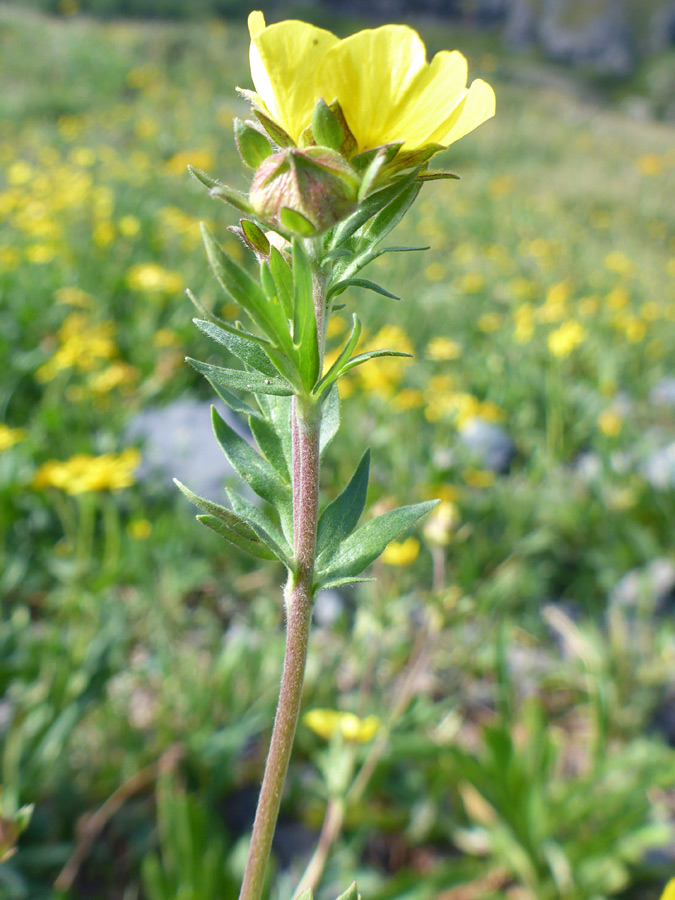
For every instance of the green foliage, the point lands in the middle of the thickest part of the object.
(192, 863)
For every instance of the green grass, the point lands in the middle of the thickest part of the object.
(127, 628)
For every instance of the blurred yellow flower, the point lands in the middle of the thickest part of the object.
(117, 375)
(152, 278)
(401, 553)
(442, 523)
(478, 478)
(10, 436)
(329, 722)
(73, 296)
(443, 349)
(563, 340)
(669, 893)
(82, 345)
(83, 473)
(380, 77)
(610, 423)
(139, 529)
(490, 322)
(200, 159)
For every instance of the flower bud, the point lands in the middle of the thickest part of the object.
(305, 191)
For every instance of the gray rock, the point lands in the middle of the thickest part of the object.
(596, 34)
(328, 607)
(491, 444)
(650, 588)
(177, 441)
(659, 467)
(663, 392)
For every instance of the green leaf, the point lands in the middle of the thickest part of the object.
(365, 544)
(341, 517)
(277, 410)
(266, 530)
(326, 129)
(239, 380)
(340, 582)
(304, 319)
(283, 279)
(330, 419)
(270, 444)
(342, 286)
(233, 401)
(371, 354)
(334, 372)
(203, 178)
(296, 222)
(229, 525)
(250, 465)
(351, 893)
(255, 548)
(245, 346)
(239, 285)
(370, 254)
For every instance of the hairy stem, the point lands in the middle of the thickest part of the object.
(298, 597)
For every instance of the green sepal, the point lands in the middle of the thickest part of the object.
(283, 279)
(245, 346)
(350, 345)
(238, 380)
(267, 530)
(255, 237)
(330, 419)
(370, 174)
(364, 545)
(412, 159)
(341, 517)
(253, 468)
(305, 337)
(386, 152)
(437, 175)
(204, 179)
(351, 893)
(342, 286)
(389, 217)
(296, 222)
(229, 525)
(326, 130)
(372, 205)
(276, 132)
(253, 147)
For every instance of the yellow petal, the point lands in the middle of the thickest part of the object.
(370, 73)
(477, 106)
(669, 893)
(256, 22)
(283, 60)
(431, 98)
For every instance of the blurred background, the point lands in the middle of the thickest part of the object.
(520, 646)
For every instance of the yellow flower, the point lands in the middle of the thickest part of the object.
(563, 340)
(669, 893)
(139, 529)
(386, 89)
(443, 349)
(83, 473)
(401, 553)
(328, 722)
(610, 422)
(153, 278)
(10, 436)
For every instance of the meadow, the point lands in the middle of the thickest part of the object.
(517, 651)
